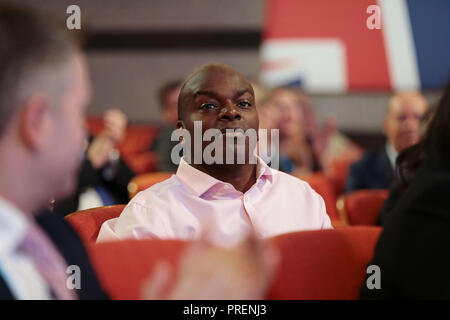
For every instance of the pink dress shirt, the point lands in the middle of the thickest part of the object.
(192, 202)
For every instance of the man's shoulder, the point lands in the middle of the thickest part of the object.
(70, 246)
(290, 180)
(158, 192)
(371, 158)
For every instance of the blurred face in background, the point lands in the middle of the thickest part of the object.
(269, 115)
(170, 108)
(291, 116)
(402, 123)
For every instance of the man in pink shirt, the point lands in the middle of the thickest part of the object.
(224, 200)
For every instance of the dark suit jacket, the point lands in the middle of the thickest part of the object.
(72, 250)
(395, 193)
(373, 171)
(163, 146)
(413, 251)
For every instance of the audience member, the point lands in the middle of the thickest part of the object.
(163, 145)
(402, 129)
(407, 164)
(296, 148)
(269, 118)
(229, 199)
(104, 176)
(44, 91)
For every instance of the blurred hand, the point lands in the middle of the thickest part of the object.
(99, 150)
(115, 124)
(211, 273)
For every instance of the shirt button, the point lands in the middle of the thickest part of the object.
(245, 199)
(226, 187)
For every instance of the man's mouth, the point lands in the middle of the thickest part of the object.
(232, 130)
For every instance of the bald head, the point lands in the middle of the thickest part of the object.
(201, 78)
(402, 123)
(402, 98)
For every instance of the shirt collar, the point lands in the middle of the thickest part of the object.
(13, 226)
(199, 182)
(391, 153)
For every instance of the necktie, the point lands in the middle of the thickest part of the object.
(105, 195)
(47, 260)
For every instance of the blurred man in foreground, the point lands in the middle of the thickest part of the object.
(44, 91)
(402, 127)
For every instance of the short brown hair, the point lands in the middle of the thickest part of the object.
(34, 46)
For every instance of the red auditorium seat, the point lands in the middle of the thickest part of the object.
(324, 264)
(323, 186)
(145, 181)
(362, 207)
(338, 172)
(87, 223)
(122, 266)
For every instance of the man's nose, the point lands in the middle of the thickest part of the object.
(229, 112)
(412, 123)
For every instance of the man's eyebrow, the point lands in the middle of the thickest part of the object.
(205, 93)
(242, 92)
(213, 94)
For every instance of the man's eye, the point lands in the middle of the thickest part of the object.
(244, 104)
(208, 106)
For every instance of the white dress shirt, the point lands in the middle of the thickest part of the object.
(190, 202)
(392, 154)
(16, 268)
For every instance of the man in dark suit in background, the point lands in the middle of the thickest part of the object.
(162, 146)
(413, 249)
(402, 127)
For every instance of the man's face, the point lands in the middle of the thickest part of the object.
(403, 122)
(288, 104)
(221, 99)
(68, 132)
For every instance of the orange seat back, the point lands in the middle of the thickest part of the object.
(87, 223)
(362, 207)
(325, 264)
(145, 181)
(339, 170)
(323, 186)
(123, 266)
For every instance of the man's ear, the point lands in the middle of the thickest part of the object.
(33, 122)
